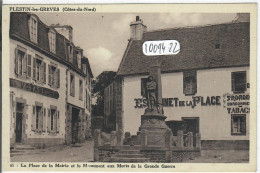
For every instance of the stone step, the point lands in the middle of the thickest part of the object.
(129, 147)
(127, 160)
(129, 155)
(24, 153)
(23, 147)
(129, 152)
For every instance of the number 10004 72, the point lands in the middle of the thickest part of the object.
(162, 47)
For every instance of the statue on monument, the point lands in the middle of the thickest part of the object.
(151, 93)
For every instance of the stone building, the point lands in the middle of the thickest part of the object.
(47, 106)
(205, 87)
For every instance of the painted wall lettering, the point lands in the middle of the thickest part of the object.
(176, 102)
(236, 103)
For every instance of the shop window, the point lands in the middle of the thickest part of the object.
(190, 83)
(33, 23)
(72, 85)
(238, 124)
(52, 41)
(54, 76)
(80, 89)
(20, 61)
(239, 81)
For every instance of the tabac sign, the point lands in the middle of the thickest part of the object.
(34, 88)
(236, 103)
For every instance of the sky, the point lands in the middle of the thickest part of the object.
(104, 36)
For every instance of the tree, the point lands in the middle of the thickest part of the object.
(99, 84)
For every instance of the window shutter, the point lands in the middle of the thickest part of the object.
(49, 74)
(29, 66)
(58, 78)
(184, 83)
(44, 72)
(24, 65)
(44, 120)
(49, 121)
(34, 69)
(194, 87)
(73, 86)
(16, 61)
(41, 120)
(243, 124)
(233, 81)
(33, 126)
(244, 82)
(58, 122)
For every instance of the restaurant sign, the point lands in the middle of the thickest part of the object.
(34, 88)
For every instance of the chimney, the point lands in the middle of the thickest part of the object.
(242, 17)
(65, 30)
(137, 29)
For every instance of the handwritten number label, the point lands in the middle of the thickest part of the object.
(162, 47)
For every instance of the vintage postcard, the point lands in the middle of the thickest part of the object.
(129, 87)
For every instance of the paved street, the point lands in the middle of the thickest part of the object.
(80, 153)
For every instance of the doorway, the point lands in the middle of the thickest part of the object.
(75, 125)
(19, 122)
(191, 125)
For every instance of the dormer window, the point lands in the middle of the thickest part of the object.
(52, 41)
(33, 27)
(79, 56)
(70, 53)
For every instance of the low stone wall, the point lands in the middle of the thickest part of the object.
(155, 156)
(225, 144)
(180, 156)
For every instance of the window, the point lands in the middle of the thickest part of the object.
(80, 90)
(84, 68)
(52, 41)
(143, 86)
(190, 83)
(238, 124)
(39, 70)
(54, 76)
(53, 120)
(33, 29)
(239, 81)
(79, 59)
(20, 61)
(70, 53)
(72, 85)
(38, 117)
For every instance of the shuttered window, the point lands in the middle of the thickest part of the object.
(38, 118)
(20, 61)
(29, 66)
(72, 85)
(53, 122)
(239, 82)
(238, 124)
(80, 90)
(190, 82)
(38, 69)
(53, 76)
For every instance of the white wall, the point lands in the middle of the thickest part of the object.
(214, 120)
(31, 98)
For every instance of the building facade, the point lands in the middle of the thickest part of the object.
(205, 87)
(40, 68)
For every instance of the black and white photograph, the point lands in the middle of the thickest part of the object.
(129, 87)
